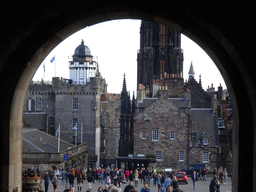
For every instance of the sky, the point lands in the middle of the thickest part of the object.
(115, 45)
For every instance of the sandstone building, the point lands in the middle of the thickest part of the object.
(177, 122)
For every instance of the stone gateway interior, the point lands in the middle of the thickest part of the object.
(28, 37)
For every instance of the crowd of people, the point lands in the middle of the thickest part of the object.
(113, 178)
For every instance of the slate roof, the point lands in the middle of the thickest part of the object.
(204, 123)
(38, 141)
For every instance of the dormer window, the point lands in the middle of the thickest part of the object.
(205, 141)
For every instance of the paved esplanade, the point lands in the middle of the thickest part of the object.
(201, 186)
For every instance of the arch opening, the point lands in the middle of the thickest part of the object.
(44, 49)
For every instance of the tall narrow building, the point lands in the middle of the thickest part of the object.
(126, 123)
(160, 53)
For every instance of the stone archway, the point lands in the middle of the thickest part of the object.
(27, 47)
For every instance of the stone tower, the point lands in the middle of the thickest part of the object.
(160, 53)
(82, 68)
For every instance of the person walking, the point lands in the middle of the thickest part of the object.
(167, 182)
(217, 185)
(175, 183)
(136, 178)
(213, 184)
(46, 182)
(129, 187)
(63, 176)
(54, 182)
(127, 173)
(225, 175)
(71, 178)
(145, 188)
(149, 175)
(90, 177)
(79, 181)
(204, 174)
(194, 179)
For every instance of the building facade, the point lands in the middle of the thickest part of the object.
(161, 129)
(197, 131)
(70, 103)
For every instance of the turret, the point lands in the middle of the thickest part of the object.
(191, 73)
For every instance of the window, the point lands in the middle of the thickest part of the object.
(205, 141)
(75, 103)
(143, 135)
(205, 157)
(29, 104)
(159, 155)
(193, 133)
(38, 103)
(155, 135)
(181, 156)
(172, 135)
(148, 117)
(75, 121)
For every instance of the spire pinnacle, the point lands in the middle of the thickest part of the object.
(191, 73)
(191, 69)
(124, 85)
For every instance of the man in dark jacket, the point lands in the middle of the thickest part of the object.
(213, 184)
(129, 187)
(194, 178)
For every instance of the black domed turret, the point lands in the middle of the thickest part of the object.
(82, 50)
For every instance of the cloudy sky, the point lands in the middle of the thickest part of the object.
(115, 45)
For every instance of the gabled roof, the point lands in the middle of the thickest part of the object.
(38, 141)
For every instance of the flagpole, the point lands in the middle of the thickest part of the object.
(59, 140)
(55, 66)
(81, 133)
(76, 135)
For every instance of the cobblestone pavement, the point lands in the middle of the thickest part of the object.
(201, 186)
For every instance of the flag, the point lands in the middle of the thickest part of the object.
(56, 133)
(75, 127)
(44, 67)
(52, 59)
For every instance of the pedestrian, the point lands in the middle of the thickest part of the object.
(127, 173)
(136, 178)
(145, 188)
(40, 189)
(131, 176)
(106, 188)
(169, 188)
(129, 187)
(57, 173)
(194, 179)
(213, 184)
(149, 175)
(63, 176)
(100, 189)
(79, 181)
(167, 182)
(46, 182)
(217, 185)
(225, 175)
(71, 178)
(175, 183)
(204, 174)
(54, 182)
(89, 177)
